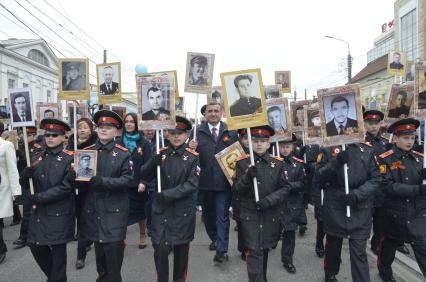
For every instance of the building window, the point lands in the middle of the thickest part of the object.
(409, 34)
(11, 83)
(38, 56)
(24, 85)
(49, 96)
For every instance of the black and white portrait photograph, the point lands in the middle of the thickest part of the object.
(396, 63)
(297, 114)
(156, 99)
(283, 78)
(74, 79)
(227, 159)
(244, 98)
(21, 105)
(400, 101)
(179, 103)
(199, 72)
(48, 110)
(109, 82)
(420, 90)
(81, 112)
(341, 112)
(85, 164)
(278, 118)
(215, 95)
(272, 91)
(312, 124)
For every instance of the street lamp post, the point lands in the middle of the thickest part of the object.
(349, 57)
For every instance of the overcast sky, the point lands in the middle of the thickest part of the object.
(271, 35)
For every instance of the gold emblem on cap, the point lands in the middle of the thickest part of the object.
(259, 131)
(104, 119)
(50, 126)
(407, 126)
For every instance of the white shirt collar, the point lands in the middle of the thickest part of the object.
(339, 124)
(217, 126)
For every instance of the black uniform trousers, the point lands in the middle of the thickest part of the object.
(109, 259)
(26, 212)
(257, 265)
(386, 255)
(287, 246)
(240, 236)
(358, 256)
(3, 247)
(180, 262)
(52, 260)
(320, 232)
(376, 230)
(82, 242)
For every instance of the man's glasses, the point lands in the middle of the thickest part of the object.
(54, 135)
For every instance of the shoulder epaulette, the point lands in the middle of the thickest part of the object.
(277, 158)
(70, 153)
(299, 160)
(37, 146)
(121, 148)
(242, 157)
(386, 154)
(88, 147)
(192, 151)
(367, 144)
(163, 149)
(417, 153)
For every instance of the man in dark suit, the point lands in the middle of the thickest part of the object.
(247, 104)
(109, 87)
(340, 123)
(156, 101)
(396, 64)
(22, 111)
(401, 110)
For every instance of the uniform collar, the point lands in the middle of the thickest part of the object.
(288, 158)
(55, 150)
(179, 151)
(372, 137)
(265, 157)
(109, 146)
(400, 153)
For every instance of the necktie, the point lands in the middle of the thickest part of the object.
(341, 128)
(23, 118)
(108, 88)
(214, 133)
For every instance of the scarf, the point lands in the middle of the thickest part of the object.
(130, 141)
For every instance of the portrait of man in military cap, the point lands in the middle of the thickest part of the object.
(85, 164)
(199, 72)
(73, 77)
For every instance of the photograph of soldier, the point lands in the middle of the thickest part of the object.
(277, 118)
(21, 106)
(73, 76)
(400, 101)
(340, 113)
(48, 110)
(215, 95)
(85, 164)
(272, 91)
(156, 100)
(227, 160)
(199, 72)
(179, 104)
(81, 112)
(396, 63)
(314, 123)
(283, 78)
(246, 100)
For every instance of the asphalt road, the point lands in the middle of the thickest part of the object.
(138, 264)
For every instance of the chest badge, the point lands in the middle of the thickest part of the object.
(185, 157)
(59, 158)
(114, 153)
(140, 151)
(272, 164)
(361, 149)
(417, 160)
(286, 174)
(32, 150)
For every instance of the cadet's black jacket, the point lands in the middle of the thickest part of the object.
(104, 215)
(293, 207)
(173, 218)
(52, 222)
(404, 209)
(261, 228)
(364, 179)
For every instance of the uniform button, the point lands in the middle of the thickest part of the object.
(57, 214)
(406, 178)
(101, 152)
(257, 161)
(408, 201)
(349, 236)
(37, 243)
(38, 219)
(168, 176)
(408, 221)
(42, 176)
(117, 210)
(261, 226)
(184, 214)
(166, 243)
(99, 217)
(100, 241)
(258, 182)
(165, 220)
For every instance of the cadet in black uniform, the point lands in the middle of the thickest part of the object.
(364, 179)
(51, 223)
(404, 208)
(260, 222)
(173, 209)
(292, 213)
(105, 204)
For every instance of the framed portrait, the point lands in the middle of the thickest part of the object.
(298, 115)
(156, 99)
(420, 90)
(82, 111)
(272, 91)
(397, 64)
(341, 115)
(312, 123)
(244, 99)
(21, 105)
(5, 113)
(48, 110)
(400, 102)
(215, 95)
(85, 162)
(227, 160)
(283, 78)
(179, 103)
(199, 72)
(73, 78)
(109, 83)
(11, 136)
(121, 111)
(279, 118)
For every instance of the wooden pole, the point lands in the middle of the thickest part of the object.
(345, 170)
(157, 142)
(256, 191)
(196, 117)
